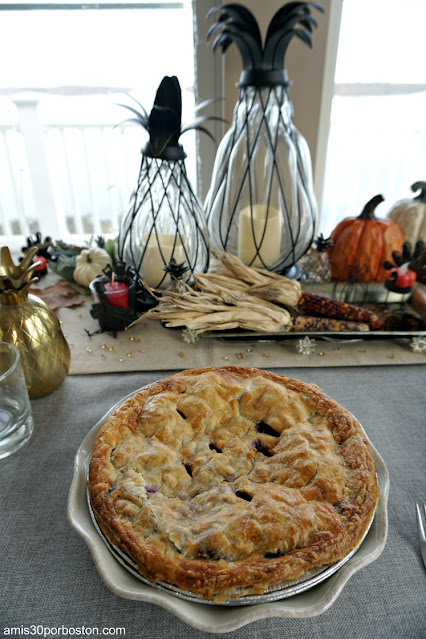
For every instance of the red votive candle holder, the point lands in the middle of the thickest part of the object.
(117, 294)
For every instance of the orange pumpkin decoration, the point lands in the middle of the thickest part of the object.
(363, 243)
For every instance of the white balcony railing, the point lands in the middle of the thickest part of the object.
(68, 181)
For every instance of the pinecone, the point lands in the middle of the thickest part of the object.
(176, 271)
(316, 264)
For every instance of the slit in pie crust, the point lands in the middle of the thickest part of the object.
(226, 481)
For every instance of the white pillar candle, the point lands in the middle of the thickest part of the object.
(155, 260)
(263, 223)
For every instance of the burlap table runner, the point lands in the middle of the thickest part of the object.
(150, 346)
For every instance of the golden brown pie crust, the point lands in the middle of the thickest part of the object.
(224, 481)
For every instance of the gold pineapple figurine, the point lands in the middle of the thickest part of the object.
(28, 323)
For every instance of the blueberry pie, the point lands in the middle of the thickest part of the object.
(226, 481)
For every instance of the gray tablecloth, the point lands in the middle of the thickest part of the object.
(49, 579)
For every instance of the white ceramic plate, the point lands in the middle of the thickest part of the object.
(217, 619)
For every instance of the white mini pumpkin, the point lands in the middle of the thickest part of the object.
(410, 215)
(89, 264)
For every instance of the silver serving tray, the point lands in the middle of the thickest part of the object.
(244, 336)
(375, 293)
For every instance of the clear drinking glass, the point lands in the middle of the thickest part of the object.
(16, 422)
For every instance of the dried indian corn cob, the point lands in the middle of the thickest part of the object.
(305, 323)
(314, 304)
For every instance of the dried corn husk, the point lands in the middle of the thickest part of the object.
(286, 293)
(223, 287)
(261, 283)
(230, 297)
(214, 307)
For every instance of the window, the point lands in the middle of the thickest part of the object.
(81, 59)
(60, 149)
(377, 136)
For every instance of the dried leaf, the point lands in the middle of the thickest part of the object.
(62, 294)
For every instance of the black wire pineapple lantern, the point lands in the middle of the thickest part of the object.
(261, 204)
(164, 220)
